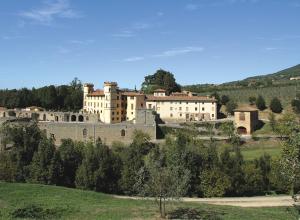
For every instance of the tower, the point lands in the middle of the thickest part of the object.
(110, 106)
(87, 88)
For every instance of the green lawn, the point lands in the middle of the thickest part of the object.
(254, 149)
(63, 203)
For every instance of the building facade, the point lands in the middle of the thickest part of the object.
(113, 105)
(246, 120)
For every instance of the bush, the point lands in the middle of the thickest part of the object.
(296, 105)
(260, 103)
(230, 107)
(37, 212)
(275, 105)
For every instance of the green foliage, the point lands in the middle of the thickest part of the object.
(25, 139)
(290, 157)
(36, 212)
(230, 107)
(224, 99)
(133, 161)
(296, 105)
(253, 179)
(214, 183)
(275, 105)
(71, 154)
(260, 103)
(161, 79)
(252, 100)
(272, 121)
(161, 179)
(45, 167)
(65, 97)
(99, 171)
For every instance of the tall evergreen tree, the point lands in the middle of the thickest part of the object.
(275, 105)
(260, 103)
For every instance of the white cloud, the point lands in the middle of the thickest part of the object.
(133, 59)
(51, 11)
(179, 51)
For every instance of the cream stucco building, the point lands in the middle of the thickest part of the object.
(113, 105)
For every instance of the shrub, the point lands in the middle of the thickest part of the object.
(260, 103)
(275, 105)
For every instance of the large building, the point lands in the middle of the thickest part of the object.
(113, 105)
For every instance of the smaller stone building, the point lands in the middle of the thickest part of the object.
(246, 120)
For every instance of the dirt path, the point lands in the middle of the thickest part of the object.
(258, 201)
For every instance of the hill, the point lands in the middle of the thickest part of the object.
(32, 201)
(271, 85)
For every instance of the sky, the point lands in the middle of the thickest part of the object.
(45, 42)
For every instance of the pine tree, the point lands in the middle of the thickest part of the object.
(260, 103)
(275, 105)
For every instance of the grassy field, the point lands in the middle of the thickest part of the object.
(50, 202)
(254, 149)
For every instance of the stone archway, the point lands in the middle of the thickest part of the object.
(242, 130)
(73, 118)
(80, 118)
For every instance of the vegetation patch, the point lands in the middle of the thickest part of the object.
(34, 211)
(193, 213)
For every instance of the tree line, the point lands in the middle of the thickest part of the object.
(62, 98)
(29, 156)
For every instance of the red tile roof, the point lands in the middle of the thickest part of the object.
(132, 94)
(180, 98)
(96, 93)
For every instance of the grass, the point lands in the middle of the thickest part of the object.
(51, 202)
(254, 149)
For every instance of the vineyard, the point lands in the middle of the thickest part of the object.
(241, 95)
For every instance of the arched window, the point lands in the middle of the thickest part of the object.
(123, 133)
(73, 118)
(56, 118)
(44, 117)
(80, 118)
(4, 115)
(84, 133)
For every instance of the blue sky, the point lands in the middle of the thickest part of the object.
(204, 41)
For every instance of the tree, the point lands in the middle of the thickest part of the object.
(230, 107)
(296, 105)
(275, 105)
(229, 130)
(160, 181)
(224, 99)
(46, 165)
(25, 140)
(272, 121)
(133, 161)
(260, 103)
(161, 79)
(99, 171)
(290, 156)
(252, 100)
(71, 157)
(214, 183)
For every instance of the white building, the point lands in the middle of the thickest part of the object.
(113, 105)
